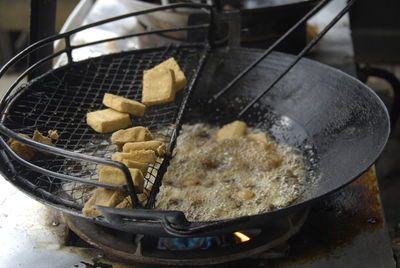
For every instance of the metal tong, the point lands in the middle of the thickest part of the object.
(305, 50)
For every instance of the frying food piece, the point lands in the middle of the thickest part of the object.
(143, 156)
(116, 176)
(158, 86)
(245, 194)
(259, 137)
(21, 149)
(126, 203)
(123, 105)
(131, 135)
(157, 146)
(180, 79)
(102, 197)
(232, 130)
(273, 161)
(38, 136)
(108, 120)
(135, 164)
(53, 134)
(26, 152)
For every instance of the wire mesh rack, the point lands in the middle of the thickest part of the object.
(66, 174)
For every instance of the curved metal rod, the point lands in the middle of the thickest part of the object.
(163, 168)
(178, 29)
(30, 69)
(311, 13)
(174, 222)
(183, 230)
(307, 48)
(141, 12)
(46, 148)
(55, 174)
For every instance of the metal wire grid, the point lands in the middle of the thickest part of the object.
(61, 99)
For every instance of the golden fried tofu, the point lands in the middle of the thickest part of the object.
(158, 86)
(38, 136)
(21, 149)
(259, 137)
(132, 134)
(114, 175)
(126, 203)
(135, 164)
(124, 105)
(143, 156)
(102, 197)
(232, 130)
(108, 120)
(157, 146)
(180, 78)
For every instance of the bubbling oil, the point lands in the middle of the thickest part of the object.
(211, 180)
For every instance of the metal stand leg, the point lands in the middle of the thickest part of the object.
(42, 24)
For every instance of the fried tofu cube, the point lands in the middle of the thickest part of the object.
(124, 105)
(131, 135)
(180, 78)
(126, 203)
(102, 197)
(158, 86)
(114, 175)
(38, 136)
(261, 138)
(258, 137)
(21, 149)
(157, 146)
(232, 130)
(108, 120)
(143, 156)
(135, 164)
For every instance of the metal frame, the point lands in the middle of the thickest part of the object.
(69, 48)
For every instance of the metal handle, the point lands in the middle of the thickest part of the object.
(174, 222)
(305, 50)
(46, 148)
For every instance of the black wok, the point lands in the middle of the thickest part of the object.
(339, 124)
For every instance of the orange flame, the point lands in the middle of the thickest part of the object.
(242, 237)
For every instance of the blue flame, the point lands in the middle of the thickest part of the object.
(191, 243)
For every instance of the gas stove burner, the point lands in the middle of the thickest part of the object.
(191, 243)
(268, 241)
